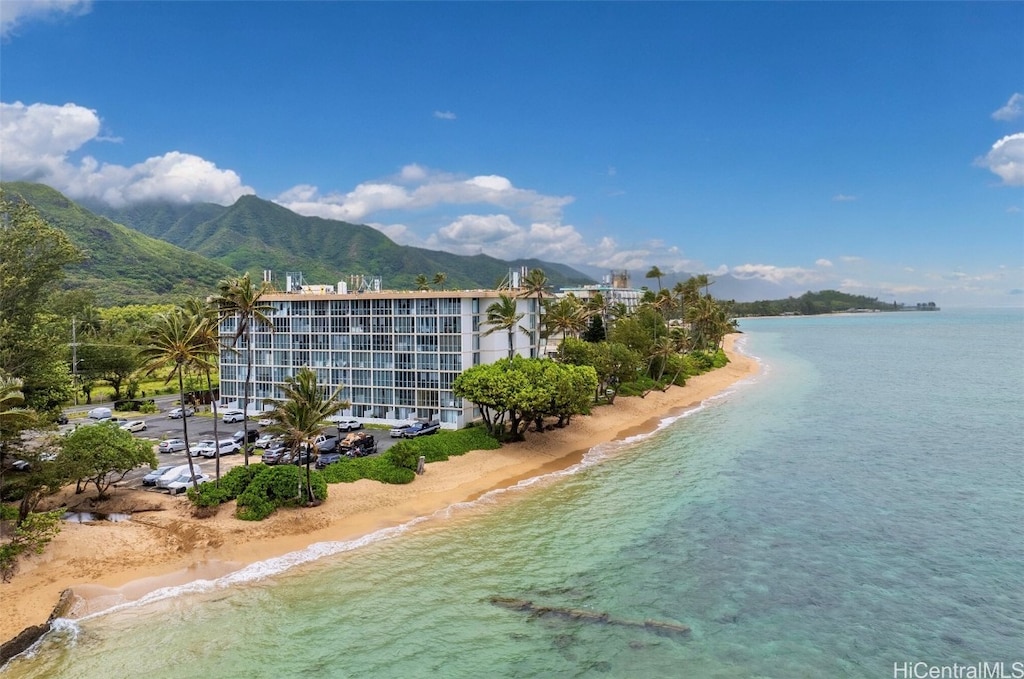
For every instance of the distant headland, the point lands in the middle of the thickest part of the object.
(823, 302)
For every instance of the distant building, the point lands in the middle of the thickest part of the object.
(614, 287)
(395, 353)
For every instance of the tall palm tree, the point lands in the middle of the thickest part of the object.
(567, 316)
(655, 272)
(174, 344)
(207, 318)
(536, 284)
(422, 283)
(302, 414)
(243, 298)
(505, 315)
(439, 280)
(704, 280)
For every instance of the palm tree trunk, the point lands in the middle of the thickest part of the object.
(184, 429)
(245, 391)
(216, 436)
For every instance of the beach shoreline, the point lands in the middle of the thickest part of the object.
(162, 545)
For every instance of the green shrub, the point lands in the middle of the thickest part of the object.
(278, 486)
(8, 512)
(148, 408)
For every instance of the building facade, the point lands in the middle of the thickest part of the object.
(395, 354)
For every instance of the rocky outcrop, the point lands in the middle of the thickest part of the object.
(656, 626)
(31, 635)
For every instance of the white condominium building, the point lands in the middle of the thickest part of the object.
(394, 353)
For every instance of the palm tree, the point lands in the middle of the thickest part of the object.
(655, 272)
(422, 283)
(174, 344)
(206, 316)
(439, 280)
(567, 316)
(536, 284)
(241, 297)
(704, 280)
(505, 315)
(301, 415)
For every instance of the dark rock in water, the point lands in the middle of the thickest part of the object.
(657, 626)
(31, 635)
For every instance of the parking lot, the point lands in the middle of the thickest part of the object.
(159, 427)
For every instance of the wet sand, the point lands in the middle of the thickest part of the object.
(162, 544)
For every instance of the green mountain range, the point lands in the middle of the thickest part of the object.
(157, 251)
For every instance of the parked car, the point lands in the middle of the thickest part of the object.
(171, 445)
(360, 447)
(172, 474)
(265, 440)
(328, 458)
(398, 431)
(265, 421)
(134, 425)
(203, 446)
(100, 414)
(253, 435)
(345, 423)
(178, 413)
(152, 477)
(231, 416)
(185, 481)
(227, 446)
(276, 454)
(422, 429)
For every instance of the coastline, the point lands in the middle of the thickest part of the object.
(106, 563)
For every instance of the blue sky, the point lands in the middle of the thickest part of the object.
(875, 148)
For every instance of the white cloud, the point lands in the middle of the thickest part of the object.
(16, 12)
(777, 274)
(1013, 109)
(843, 198)
(444, 115)
(39, 140)
(1006, 159)
(823, 263)
(423, 189)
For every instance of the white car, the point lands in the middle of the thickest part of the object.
(178, 413)
(172, 474)
(231, 416)
(171, 446)
(203, 446)
(184, 482)
(152, 477)
(134, 425)
(227, 446)
(345, 423)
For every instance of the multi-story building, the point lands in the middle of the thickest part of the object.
(614, 288)
(395, 354)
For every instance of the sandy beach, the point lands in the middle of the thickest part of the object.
(162, 544)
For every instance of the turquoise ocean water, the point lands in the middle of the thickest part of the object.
(859, 503)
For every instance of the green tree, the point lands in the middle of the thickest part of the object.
(505, 315)
(103, 454)
(241, 298)
(566, 316)
(422, 283)
(301, 415)
(206, 319)
(33, 256)
(14, 418)
(175, 344)
(439, 280)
